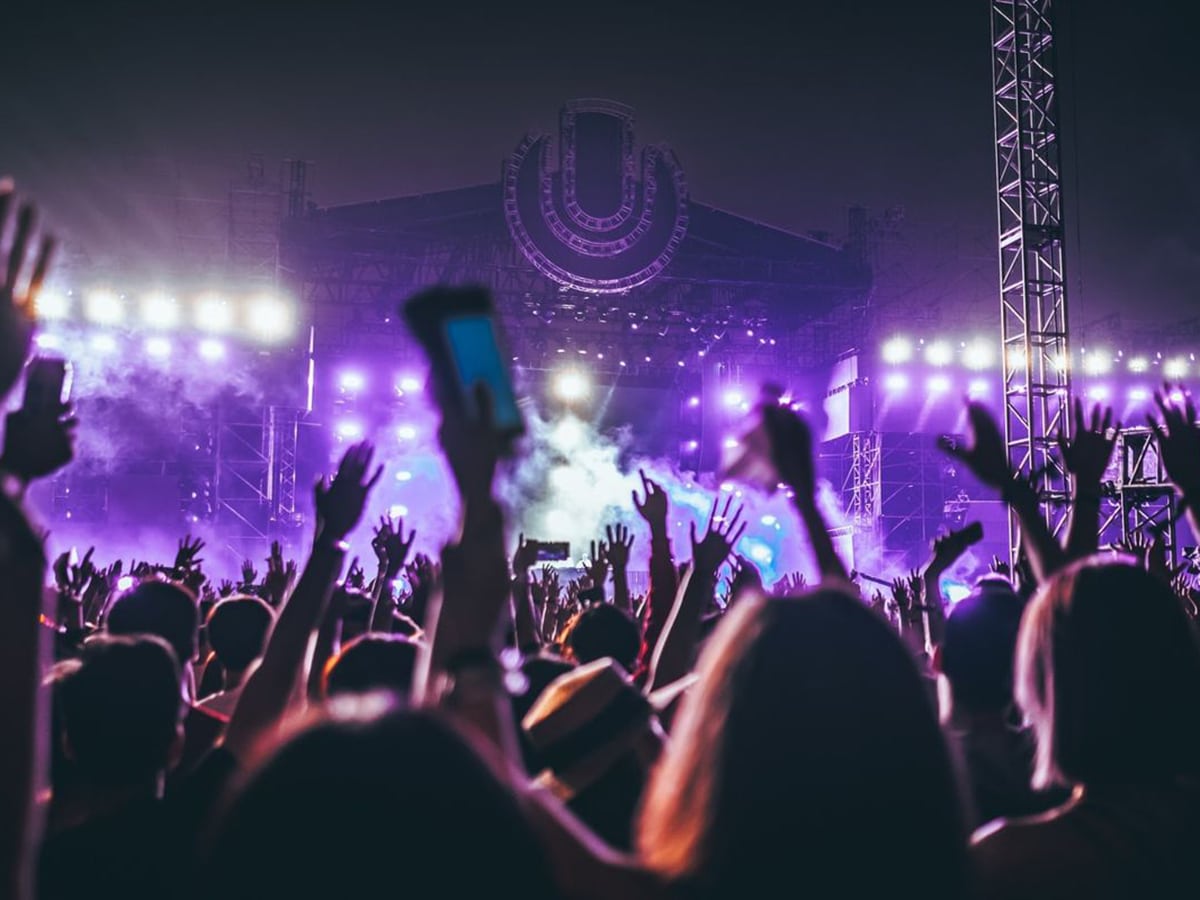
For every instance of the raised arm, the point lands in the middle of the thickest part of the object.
(618, 545)
(391, 549)
(985, 455)
(792, 453)
(524, 619)
(268, 692)
(946, 551)
(1179, 448)
(653, 506)
(1086, 456)
(676, 648)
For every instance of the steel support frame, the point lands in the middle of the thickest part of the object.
(1033, 296)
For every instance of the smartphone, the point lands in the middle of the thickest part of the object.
(553, 551)
(47, 385)
(459, 331)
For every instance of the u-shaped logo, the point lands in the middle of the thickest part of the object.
(601, 223)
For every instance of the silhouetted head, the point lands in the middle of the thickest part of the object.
(602, 630)
(237, 631)
(978, 646)
(808, 755)
(160, 607)
(371, 802)
(120, 709)
(1108, 673)
(372, 662)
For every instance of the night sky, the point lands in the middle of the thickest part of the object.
(784, 117)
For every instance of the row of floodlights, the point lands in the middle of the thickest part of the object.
(265, 317)
(981, 354)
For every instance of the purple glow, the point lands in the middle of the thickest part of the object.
(349, 430)
(895, 382)
(410, 383)
(733, 398)
(693, 402)
(1098, 392)
(937, 384)
(211, 349)
(352, 381)
(406, 432)
(158, 347)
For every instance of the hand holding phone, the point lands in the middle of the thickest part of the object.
(39, 438)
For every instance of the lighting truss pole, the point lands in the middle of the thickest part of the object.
(1033, 297)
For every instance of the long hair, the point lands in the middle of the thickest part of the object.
(1108, 675)
(809, 756)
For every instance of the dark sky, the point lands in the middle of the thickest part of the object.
(783, 116)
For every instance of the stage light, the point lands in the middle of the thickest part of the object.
(939, 353)
(897, 350)
(1059, 362)
(404, 476)
(693, 402)
(1098, 392)
(104, 307)
(558, 522)
(409, 383)
(1139, 395)
(1097, 362)
(349, 430)
(52, 304)
(758, 552)
(158, 347)
(48, 342)
(979, 387)
(1175, 368)
(731, 443)
(406, 432)
(213, 313)
(212, 349)
(937, 384)
(571, 386)
(1017, 357)
(692, 446)
(1139, 364)
(769, 520)
(269, 318)
(103, 343)
(733, 398)
(352, 381)
(160, 311)
(979, 355)
(397, 511)
(895, 382)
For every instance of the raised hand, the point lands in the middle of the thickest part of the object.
(949, 547)
(618, 545)
(525, 556)
(596, 565)
(653, 505)
(38, 444)
(720, 537)
(18, 294)
(390, 545)
(1000, 566)
(1178, 440)
(186, 556)
(249, 574)
(1087, 452)
(82, 573)
(423, 575)
(356, 578)
(984, 452)
(550, 585)
(280, 575)
(226, 588)
(792, 450)
(340, 504)
(790, 584)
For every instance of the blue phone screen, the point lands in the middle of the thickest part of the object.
(476, 357)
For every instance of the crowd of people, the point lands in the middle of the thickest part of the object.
(313, 732)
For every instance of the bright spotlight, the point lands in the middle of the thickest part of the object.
(939, 353)
(52, 304)
(978, 387)
(571, 386)
(212, 349)
(103, 343)
(104, 307)
(693, 402)
(896, 382)
(406, 432)
(397, 511)
(349, 430)
(1175, 368)
(404, 476)
(1139, 364)
(213, 313)
(1098, 392)
(733, 397)
(409, 383)
(979, 355)
(352, 381)
(937, 384)
(1139, 395)
(269, 319)
(160, 311)
(897, 350)
(1097, 362)
(731, 443)
(158, 347)
(692, 446)
(1017, 357)
(48, 341)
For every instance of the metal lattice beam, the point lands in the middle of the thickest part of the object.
(1033, 297)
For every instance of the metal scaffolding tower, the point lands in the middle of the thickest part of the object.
(1033, 297)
